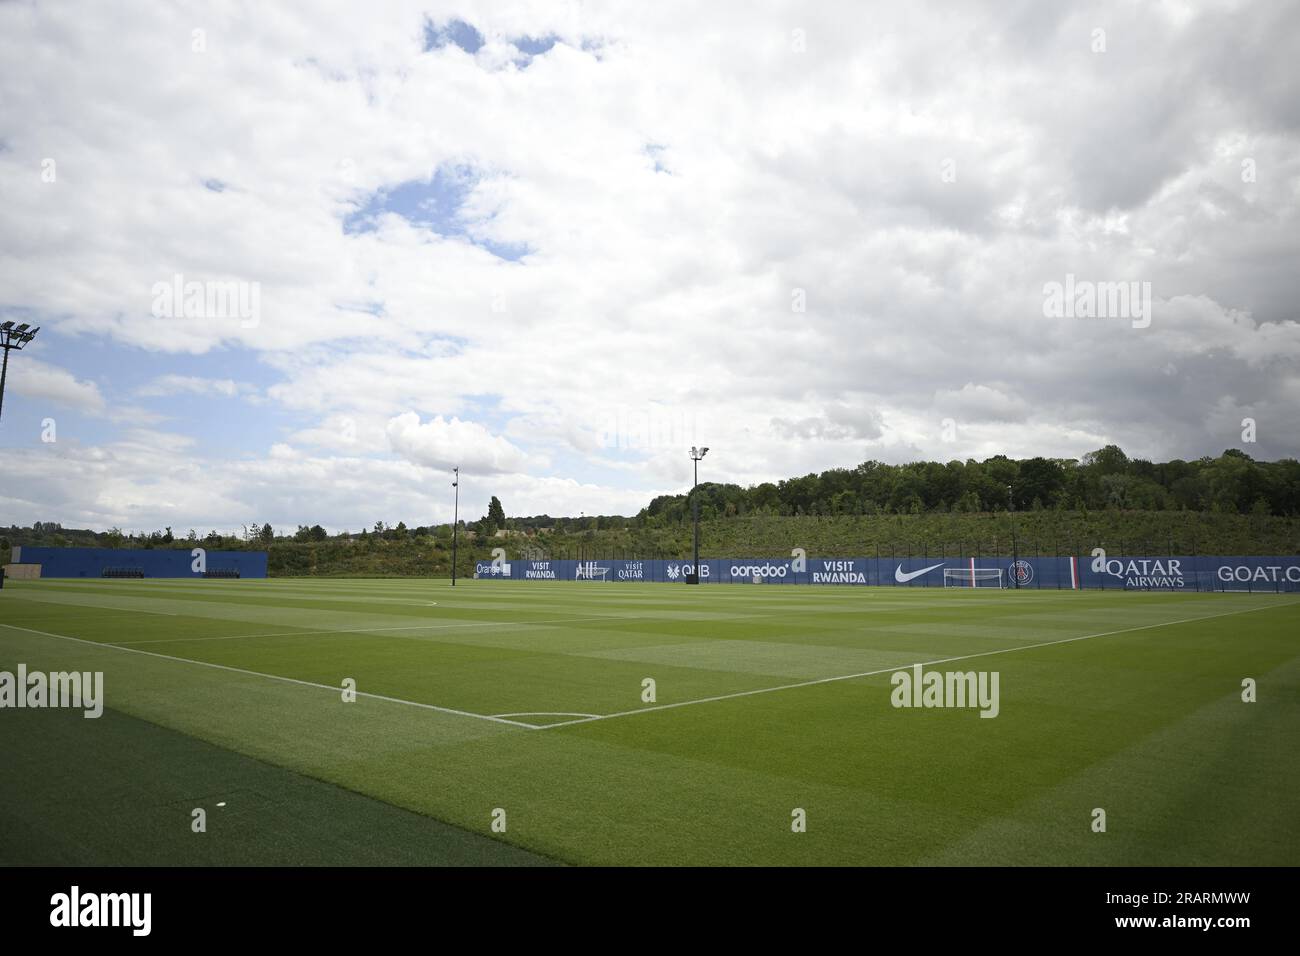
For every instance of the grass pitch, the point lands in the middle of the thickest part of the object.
(529, 698)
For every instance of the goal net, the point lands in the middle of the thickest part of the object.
(973, 578)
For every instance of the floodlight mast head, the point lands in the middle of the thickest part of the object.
(15, 337)
(12, 338)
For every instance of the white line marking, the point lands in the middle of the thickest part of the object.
(364, 630)
(546, 713)
(287, 680)
(206, 590)
(898, 667)
(102, 607)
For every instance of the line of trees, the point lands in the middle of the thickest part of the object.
(1233, 483)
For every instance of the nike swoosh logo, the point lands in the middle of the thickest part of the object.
(902, 578)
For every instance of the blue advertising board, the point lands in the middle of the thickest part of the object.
(1162, 573)
(150, 562)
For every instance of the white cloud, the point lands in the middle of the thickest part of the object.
(442, 444)
(645, 289)
(980, 402)
(39, 380)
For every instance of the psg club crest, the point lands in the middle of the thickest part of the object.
(1020, 572)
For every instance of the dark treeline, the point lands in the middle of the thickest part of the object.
(1233, 483)
(1104, 480)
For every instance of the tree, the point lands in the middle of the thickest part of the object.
(266, 533)
(1118, 490)
(1110, 460)
(496, 515)
(1040, 478)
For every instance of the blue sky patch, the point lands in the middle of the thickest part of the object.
(454, 32)
(225, 428)
(434, 204)
(531, 47)
(655, 151)
(534, 46)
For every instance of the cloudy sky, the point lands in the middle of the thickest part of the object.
(559, 243)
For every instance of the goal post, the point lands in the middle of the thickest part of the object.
(973, 578)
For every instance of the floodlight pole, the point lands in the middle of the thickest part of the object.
(455, 523)
(696, 455)
(12, 338)
(4, 373)
(1015, 561)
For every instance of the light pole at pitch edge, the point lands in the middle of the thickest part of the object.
(455, 522)
(696, 455)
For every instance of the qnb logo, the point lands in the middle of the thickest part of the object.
(75, 908)
(918, 688)
(675, 571)
(759, 570)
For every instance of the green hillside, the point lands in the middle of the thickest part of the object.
(1036, 533)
